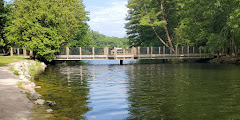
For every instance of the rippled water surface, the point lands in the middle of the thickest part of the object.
(107, 91)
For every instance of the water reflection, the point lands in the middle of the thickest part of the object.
(143, 91)
(68, 86)
(197, 91)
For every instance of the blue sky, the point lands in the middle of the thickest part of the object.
(107, 16)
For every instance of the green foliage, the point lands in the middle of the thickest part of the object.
(45, 26)
(102, 41)
(214, 25)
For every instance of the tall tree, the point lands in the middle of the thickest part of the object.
(2, 22)
(154, 14)
(45, 25)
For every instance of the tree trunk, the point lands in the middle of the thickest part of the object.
(166, 30)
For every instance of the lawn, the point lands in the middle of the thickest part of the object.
(4, 60)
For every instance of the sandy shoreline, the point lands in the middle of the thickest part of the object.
(14, 105)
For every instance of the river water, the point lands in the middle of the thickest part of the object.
(104, 90)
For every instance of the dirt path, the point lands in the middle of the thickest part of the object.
(13, 104)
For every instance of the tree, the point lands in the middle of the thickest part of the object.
(45, 26)
(2, 22)
(154, 14)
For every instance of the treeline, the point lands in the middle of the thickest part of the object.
(44, 26)
(95, 39)
(213, 25)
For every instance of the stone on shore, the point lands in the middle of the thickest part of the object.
(34, 96)
(39, 102)
(51, 103)
(49, 110)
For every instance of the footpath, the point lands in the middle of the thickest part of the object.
(13, 104)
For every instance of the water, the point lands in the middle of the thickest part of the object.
(142, 91)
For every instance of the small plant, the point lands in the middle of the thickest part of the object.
(19, 84)
(16, 72)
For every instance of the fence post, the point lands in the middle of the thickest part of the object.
(139, 52)
(176, 51)
(18, 51)
(124, 53)
(11, 51)
(164, 49)
(200, 51)
(132, 50)
(67, 52)
(147, 50)
(151, 51)
(182, 50)
(24, 52)
(115, 52)
(193, 50)
(188, 50)
(93, 52)
(31, 53)
(159, 50)
(80, 52)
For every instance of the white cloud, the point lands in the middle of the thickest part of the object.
(109, 19)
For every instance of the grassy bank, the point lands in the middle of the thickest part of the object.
(4, 60)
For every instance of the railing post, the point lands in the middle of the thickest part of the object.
(139, 52)
(164, 49)
(31, 53)
(132, 50)
(18, 51)
(147, 50)
(151, 51)
(176, 51)
(11, 51)
(24, 52)
(93, 52)
(200, 51)
(193, 50)
(182, 50)
(188, 50)
(159, 50)
(115, 53)
(80, 52)
(124, 53)
(67, 52)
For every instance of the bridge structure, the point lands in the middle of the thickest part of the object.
(186, 52)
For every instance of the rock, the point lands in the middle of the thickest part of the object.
(49, 110)
(37, 87)
(34, 96)
(39, 102)
(51, 103)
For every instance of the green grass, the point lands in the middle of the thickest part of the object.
(4, 60)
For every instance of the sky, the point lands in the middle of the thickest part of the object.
(107, 16)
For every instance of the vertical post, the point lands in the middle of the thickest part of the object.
(11, 51)
(31, 53)
(80, 53)
(93, 52)
(132, 50)
(200, 51)
(139, 52)
(193, 50)
(67, 52)
(164, 49)
(18, 51)
(151, 51)
(124, 53)
(188, 50)
(159, 50)
(176, 51)
(24, 52)
(147, 50)
(182, 50)
(115, 52)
